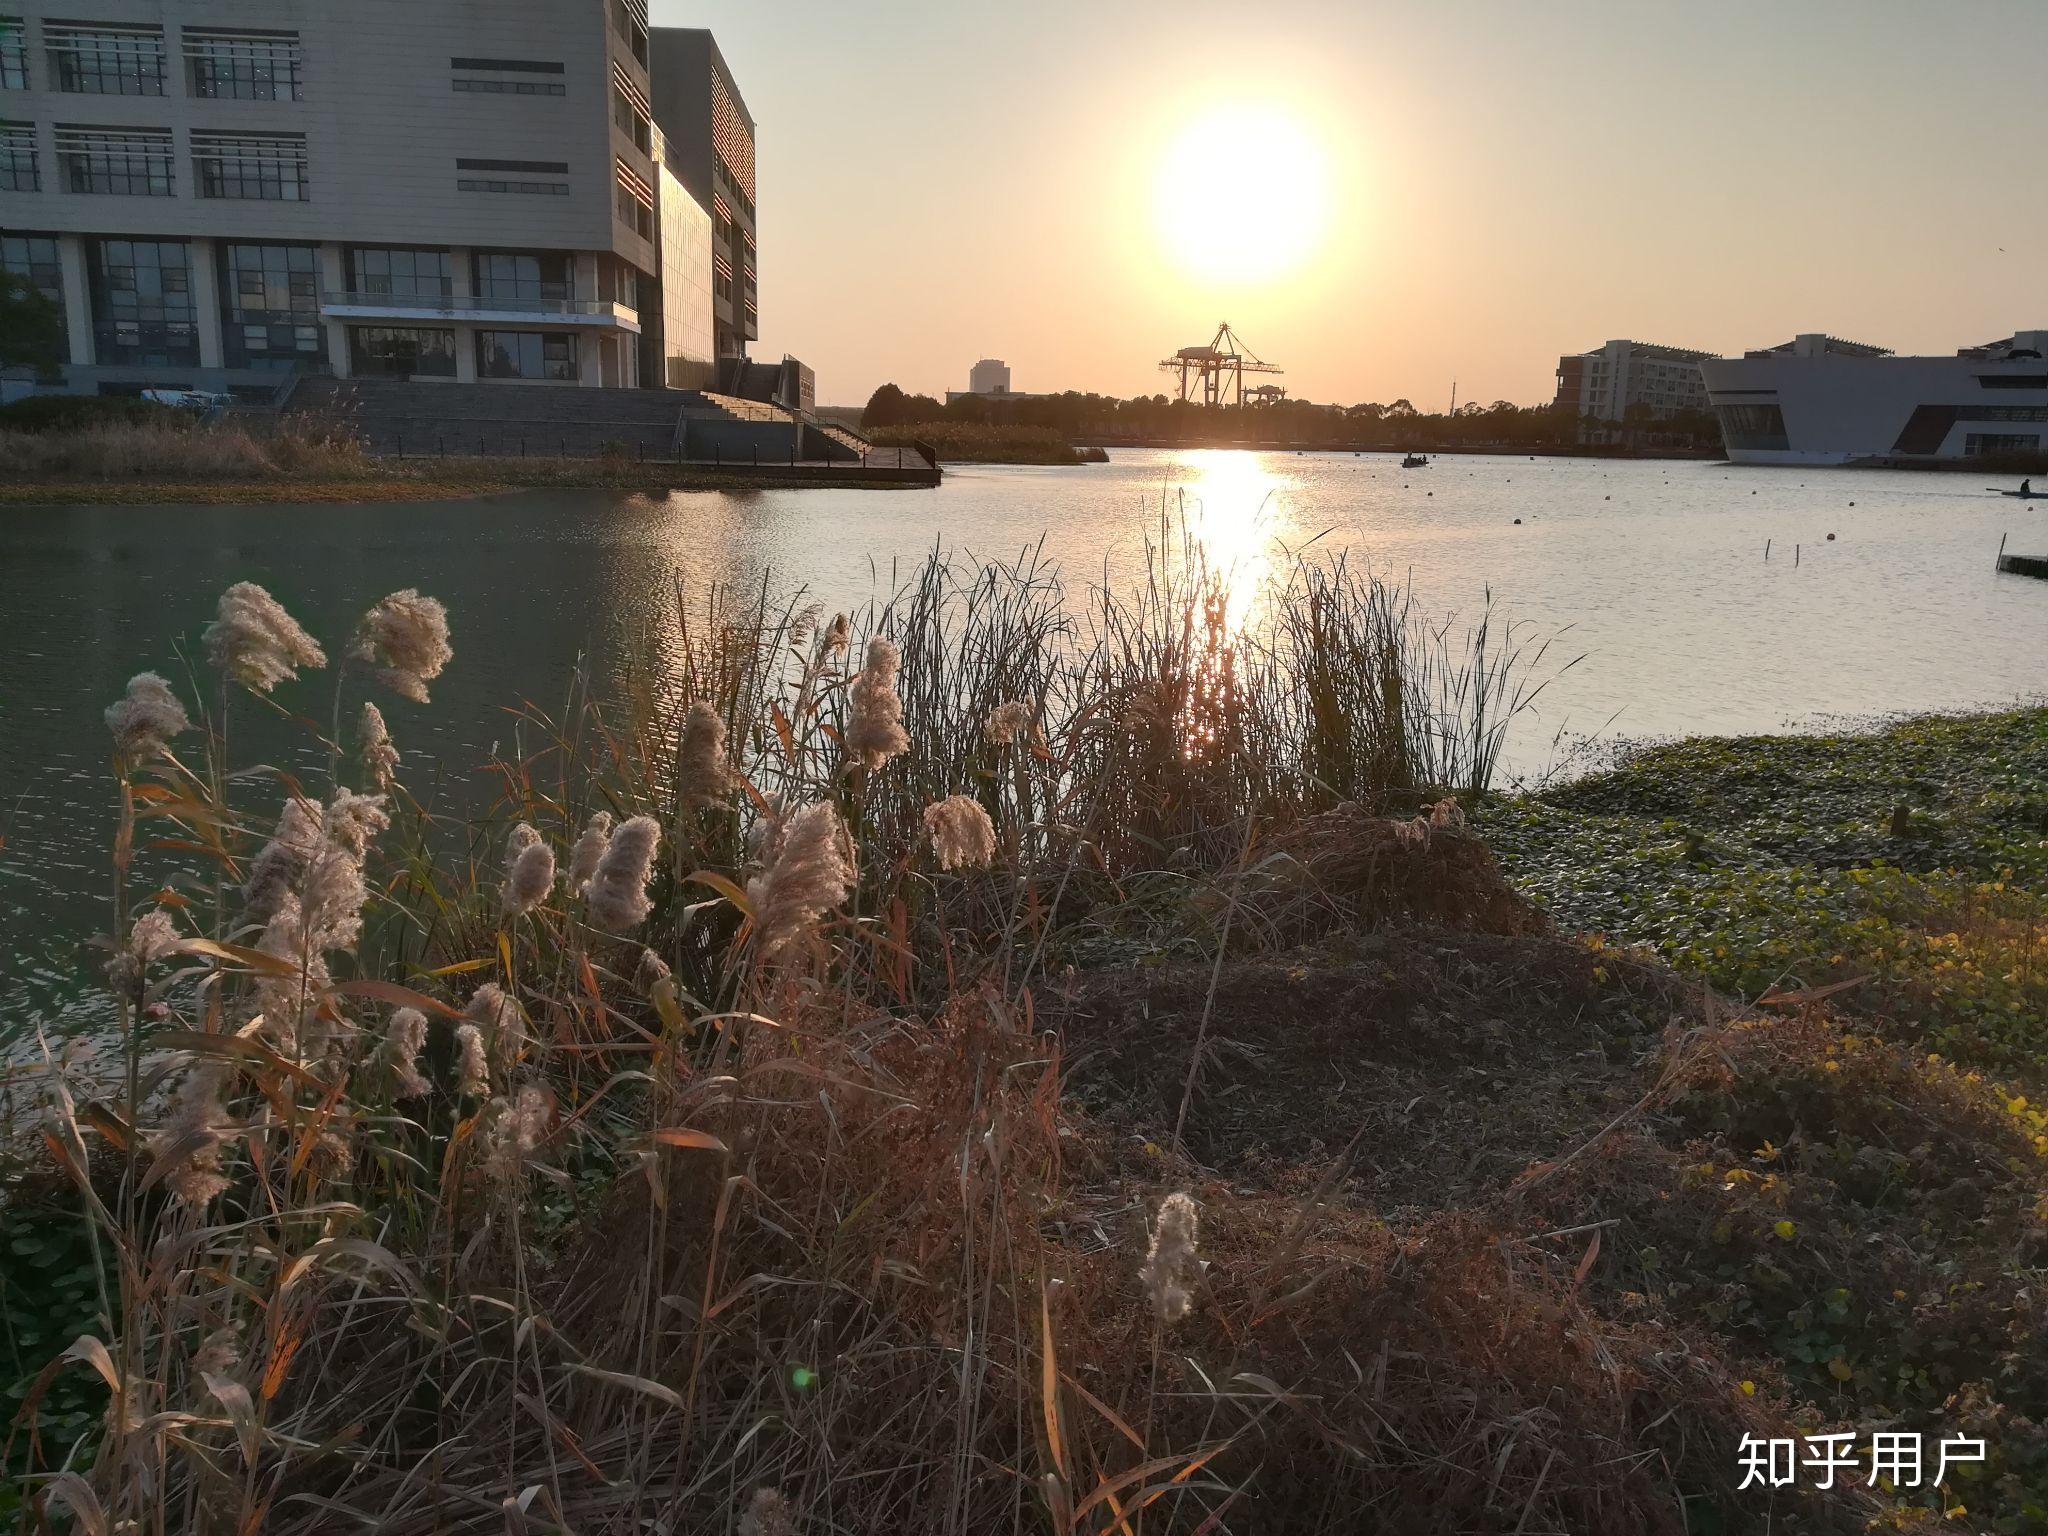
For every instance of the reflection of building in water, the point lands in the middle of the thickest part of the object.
(521, 191)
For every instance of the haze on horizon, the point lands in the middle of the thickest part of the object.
(1492, 183)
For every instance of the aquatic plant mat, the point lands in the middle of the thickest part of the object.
(1002, 1061)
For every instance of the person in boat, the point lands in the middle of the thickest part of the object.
(2026, 487)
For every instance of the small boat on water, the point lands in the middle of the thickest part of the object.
(1416, 461)
(2024, 493)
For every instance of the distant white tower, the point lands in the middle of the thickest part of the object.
(990, 376)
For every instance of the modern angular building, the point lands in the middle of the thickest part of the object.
(1605, 383)
(216, 193)
(1819, 400)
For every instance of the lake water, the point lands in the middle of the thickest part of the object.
(1654, 571)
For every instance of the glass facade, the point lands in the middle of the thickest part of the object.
(19, 170)
(244, 66)
(109, 62)
(248, 169)
(13, 54)
(35, 258)
(399, 352)
(1754, 426)
(530, 275)
(115, 163)
(270, 307)
(142, 304)
(525, 355)
(401, 273)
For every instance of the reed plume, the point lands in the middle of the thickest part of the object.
(254, 641)
(874, 724)
(703, 774)
(146, 717)
(290, 998)
(405, 636)
(404, 1039)
(1007, 723)
(153, 936)
(650, 973)
(188, 1144)
(380, 757)
(277, 867)
(961, 834)
(496, 1016)
(530, 871)
(589, 850)
(472, 1065)
(1171, 1268)
(810, 874)
(617, 889)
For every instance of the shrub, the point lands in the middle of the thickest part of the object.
(77, 413)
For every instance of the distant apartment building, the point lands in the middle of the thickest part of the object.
(1603, 384)
(216, 193)
(711, 151)
(1817, 399)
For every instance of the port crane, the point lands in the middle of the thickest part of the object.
(1215, 374)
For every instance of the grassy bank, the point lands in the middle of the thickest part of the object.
(961, 442)
(153, 464)
(1911, 861)
(1014, 1060)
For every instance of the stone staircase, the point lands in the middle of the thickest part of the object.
(497, 420)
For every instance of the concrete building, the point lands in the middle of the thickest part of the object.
(988, 379)
(1603, 384)
(220, 192)
(711, 152)
(1819, 400)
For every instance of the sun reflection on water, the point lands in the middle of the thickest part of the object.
(1233, 506)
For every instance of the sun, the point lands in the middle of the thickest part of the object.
(1243, 196)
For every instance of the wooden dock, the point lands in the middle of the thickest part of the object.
(2024, 565)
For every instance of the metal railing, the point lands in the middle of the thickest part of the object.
(455, 306)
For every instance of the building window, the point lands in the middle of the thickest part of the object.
(1986, 445)
(630, 23)
(130, 163)
(512, 176)
(252, 168)
(101, 60)
(398, 352)
(270, 306)
(244, 66)
(35, 257)
(525, 355)
(533, 277)
(506, 66)
(401, 273)
(18, 169)
(636, 201)
(1754, 426)
(13, 54)
(529, 188)
(513, 87)
(142, 306)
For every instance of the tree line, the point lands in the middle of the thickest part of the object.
(1160, 418)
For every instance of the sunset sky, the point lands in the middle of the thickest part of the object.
(1408, 193)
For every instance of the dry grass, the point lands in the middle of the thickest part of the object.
(221, 455)
(827, 1220)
